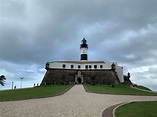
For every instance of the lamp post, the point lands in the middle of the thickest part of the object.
(21, 80)
(12, 84)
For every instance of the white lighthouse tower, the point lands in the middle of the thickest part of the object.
(84, 50)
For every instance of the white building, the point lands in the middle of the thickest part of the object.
(85, 65)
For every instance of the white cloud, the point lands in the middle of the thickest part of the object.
(140, 69)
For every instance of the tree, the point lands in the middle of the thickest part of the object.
(2, 80)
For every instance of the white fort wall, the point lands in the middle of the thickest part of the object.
(87, 65)
(119, 71)
(80, 65)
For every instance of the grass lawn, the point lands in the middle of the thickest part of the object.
(142, 87)
(121, 89)
(137, 109)
(36, 92)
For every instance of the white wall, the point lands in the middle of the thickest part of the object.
(59, 65)
(119, 71)
(106, 65)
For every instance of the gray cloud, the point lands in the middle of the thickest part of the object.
(34, 32)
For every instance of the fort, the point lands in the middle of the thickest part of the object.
(84, 71)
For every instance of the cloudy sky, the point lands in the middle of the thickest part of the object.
(33, 32)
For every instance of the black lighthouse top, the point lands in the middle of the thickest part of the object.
(84, 43)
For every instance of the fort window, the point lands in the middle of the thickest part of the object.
(90, 66)
(72, 66)
(101, 66)
(95, 66)
(79, 66)
(63, 66)
(86, 66)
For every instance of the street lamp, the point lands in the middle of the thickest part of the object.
(21, 80)
(12, 84)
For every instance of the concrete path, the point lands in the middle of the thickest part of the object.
(75, 103)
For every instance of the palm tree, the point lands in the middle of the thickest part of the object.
(2, 78)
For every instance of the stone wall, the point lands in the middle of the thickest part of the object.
(127, 80)
(65, 76)
(100, 77)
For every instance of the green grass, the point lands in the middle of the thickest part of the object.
(36, 92)
(137, 109)
(120, 89)
(142, 87)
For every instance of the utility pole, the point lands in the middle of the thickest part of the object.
(21, 80)
(12, 84)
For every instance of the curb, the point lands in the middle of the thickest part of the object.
(108, 112)
(113, 112)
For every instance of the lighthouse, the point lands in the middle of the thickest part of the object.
(84, 50)
(84, 71)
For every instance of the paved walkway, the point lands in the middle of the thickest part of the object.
(75, 103)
